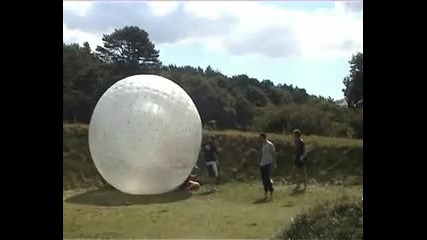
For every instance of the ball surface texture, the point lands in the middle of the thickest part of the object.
(145, 135)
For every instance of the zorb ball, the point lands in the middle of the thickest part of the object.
(145, 135)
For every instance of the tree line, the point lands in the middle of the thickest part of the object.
(224, 102)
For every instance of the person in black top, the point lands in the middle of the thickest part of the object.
(300, 159)
(211, 159)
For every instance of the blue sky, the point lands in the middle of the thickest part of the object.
(304, 43)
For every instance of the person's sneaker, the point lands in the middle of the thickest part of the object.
(214, 189)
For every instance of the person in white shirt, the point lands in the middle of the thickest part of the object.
(267, 164)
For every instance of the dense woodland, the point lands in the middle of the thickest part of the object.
(224, 102)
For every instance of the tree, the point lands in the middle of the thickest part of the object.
(213, 104)
(84, 81)
(299, 95)
(245, 112)
(76, 61)
(257, 96)
(87, 48)
(279, 96)
(266, 84)
(243, 81)
(356, 123)
(131, 48)
(221, 81)
(238, 102)
(353, 91)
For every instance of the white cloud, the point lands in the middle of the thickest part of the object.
(79, 8)
(276, 32)
(162, 8)
(355, 6)
(239, 28)
(77, 36)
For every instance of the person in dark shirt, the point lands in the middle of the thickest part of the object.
(210, 151)
(300, 160)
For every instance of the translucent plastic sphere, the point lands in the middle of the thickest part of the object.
(145, 135)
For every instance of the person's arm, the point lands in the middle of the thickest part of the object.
(273, 154)
(305, 151)
(215, 149)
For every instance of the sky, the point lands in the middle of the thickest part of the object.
(304, 43)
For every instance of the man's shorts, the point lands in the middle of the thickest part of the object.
(299, 163)
(212, 169)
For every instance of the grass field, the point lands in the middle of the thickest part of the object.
(233, 212)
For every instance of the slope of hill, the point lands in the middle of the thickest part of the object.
(331, 160)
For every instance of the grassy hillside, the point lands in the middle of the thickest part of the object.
(332, 160)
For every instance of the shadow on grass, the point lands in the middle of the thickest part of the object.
(206, 193)
(297, 192)
(261, 201)
(109, 197)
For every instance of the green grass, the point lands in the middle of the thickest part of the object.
(230, 213)
(81, 129)
(342, 219)
(316, 140)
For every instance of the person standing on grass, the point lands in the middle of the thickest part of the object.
(267, 164)
(212, 164)
(300, 161)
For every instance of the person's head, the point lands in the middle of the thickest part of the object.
(262, 137)
(297, 134)
(211, 139)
